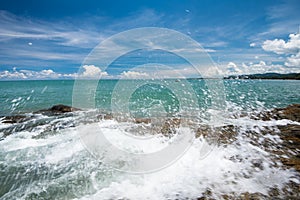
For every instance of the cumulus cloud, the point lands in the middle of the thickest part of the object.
(291, 49)
(233, 68)
(256, 68)
(32, 75)
(262, 67)
(88, 72)
(252, 44)
(91, 71)
(293, 61)
(279, 46)
(134, 75)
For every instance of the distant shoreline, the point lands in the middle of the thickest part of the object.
(266, 76)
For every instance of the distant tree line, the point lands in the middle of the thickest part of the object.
(291, 76)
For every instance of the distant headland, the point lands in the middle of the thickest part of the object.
(291, 76)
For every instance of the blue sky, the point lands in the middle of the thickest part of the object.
(50, 39)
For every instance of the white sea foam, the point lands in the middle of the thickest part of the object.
(226, 169)
(191, 176)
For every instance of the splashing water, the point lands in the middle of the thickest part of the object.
(43, 157)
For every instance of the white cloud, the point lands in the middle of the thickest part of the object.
(12, 75)
(134, 75)
(262, 67)
(279, 46)
(291, 48)
(256, 68)
(232, 68)
(293, 61)
(252, 44)
(29, 74)
(91, 71)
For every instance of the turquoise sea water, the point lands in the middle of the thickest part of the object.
(29, 96)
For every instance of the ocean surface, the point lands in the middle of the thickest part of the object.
(44, 157)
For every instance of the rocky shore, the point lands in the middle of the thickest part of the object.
(289, 133)
(286, 153)
(54, 110)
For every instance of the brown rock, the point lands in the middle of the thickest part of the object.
(105, 116)
(251, 196)
(204, 131)
(108, 117)
(63, 108)
(14, 119)
(142, 120)
(170, 125)
(58, 109)
(224, 134)
(291, 112)
(290, 134)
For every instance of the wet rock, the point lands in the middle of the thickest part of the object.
(14, 119)
(105, 116)
(204, 131)
(291, 190)
(108, 117)
(142, 120)
(291, 112)
(228, 133)
(274, 192)
(58, 109)
(258, 164)
(62, 108)
(290, 135)
(252, 196)
(225, 134)
(29, 123)
(288, 150)
(242, 196)
(292, 162)
(170, 125)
